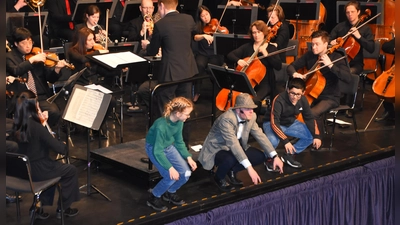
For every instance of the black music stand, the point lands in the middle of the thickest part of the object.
(103, 5)
(375, 7)
(237, 18)
(189, 7)
(232, 80)
(225, 43)
(300, 10)
(28, 20)
(123, 47)
(79, 109)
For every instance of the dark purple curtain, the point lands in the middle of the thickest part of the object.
(359, 196)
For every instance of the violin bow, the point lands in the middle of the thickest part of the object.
(269, 19)
(222, 15)
(312, 71)
(361, 25)
(278, 51)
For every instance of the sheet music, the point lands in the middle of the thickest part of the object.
(83, 110)
(99, 87)
(119, 58)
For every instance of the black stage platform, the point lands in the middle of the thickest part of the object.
(126, 182)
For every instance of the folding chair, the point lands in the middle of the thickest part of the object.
(19, 179)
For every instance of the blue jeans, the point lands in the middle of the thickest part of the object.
(297, 129)
(180, 164)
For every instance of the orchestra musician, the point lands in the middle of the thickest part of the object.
(259, 31)
(90, 20)
(389, 113)
(363, 36)
(205, 48)
(35, 72)
(330, 95)
(281, 39)
(35, 141)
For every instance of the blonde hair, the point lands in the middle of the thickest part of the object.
(178, 104)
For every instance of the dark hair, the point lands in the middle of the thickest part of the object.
(20, 34)
(24, 109)
(79, 44)
(297, 83)
(200, 25)
(90, 11)
(261, 26)
(356, 5)
(320, 33)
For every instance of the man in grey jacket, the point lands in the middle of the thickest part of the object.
(226, 145)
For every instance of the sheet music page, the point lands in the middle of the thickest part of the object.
(99, 87)
(84, 106)
(119, 58)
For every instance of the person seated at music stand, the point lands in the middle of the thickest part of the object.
(330, 94)
(90, 20)
(85, 45)
(35, 141)
(226, 145)
(281, 122)
(281, 39)
(22, 6)
(205, 47)
(258, 31)
(20, 62)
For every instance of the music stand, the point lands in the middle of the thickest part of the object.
(131, 10)
(103, 5)
(375, 7)
(232, 80)
(123, 47)
(300, 10)
(80, 110)
(28, 20)
(237, 18)
(225, 43)
(189, 6)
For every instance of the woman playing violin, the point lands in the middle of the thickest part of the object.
(259, 31)
(281, 39)
(35, 70)
(205, 48)
(329, 98)
(91, 18)
(362, 36)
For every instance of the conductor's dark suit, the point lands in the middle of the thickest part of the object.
(174, 34)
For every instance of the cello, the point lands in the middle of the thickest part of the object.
(254, 70)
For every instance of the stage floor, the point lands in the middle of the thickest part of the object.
(128, 191)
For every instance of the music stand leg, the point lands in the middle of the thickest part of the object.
(88, 185)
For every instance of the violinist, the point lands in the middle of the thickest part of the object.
(281, 39)
(90, 20)
(205, 48)
(259, 31)
(362, 36)
(330, 95)
(389, 113)
(35, 72)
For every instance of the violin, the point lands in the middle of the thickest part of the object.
(214, 27)
(384, 84)
(51, 58)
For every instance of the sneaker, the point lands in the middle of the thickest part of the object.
(40, 214)
(288, 159)
(70, 212)
(172, 198)
(269, 166)
(156, 203)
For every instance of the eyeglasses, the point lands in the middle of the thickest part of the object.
(295, 94)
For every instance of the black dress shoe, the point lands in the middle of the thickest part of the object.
(233, 180)
(223, 185)
(385, 116)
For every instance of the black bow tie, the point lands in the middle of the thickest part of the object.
(243, 121)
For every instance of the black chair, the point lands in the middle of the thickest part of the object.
(346, 89)
(19, 179)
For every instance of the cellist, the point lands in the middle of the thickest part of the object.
(259, 31)
(330, 95)
(362, 36)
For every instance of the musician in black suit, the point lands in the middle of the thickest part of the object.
(173, 33)
(60, 22)
(17, 66)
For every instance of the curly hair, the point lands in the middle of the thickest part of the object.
(178, 104)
